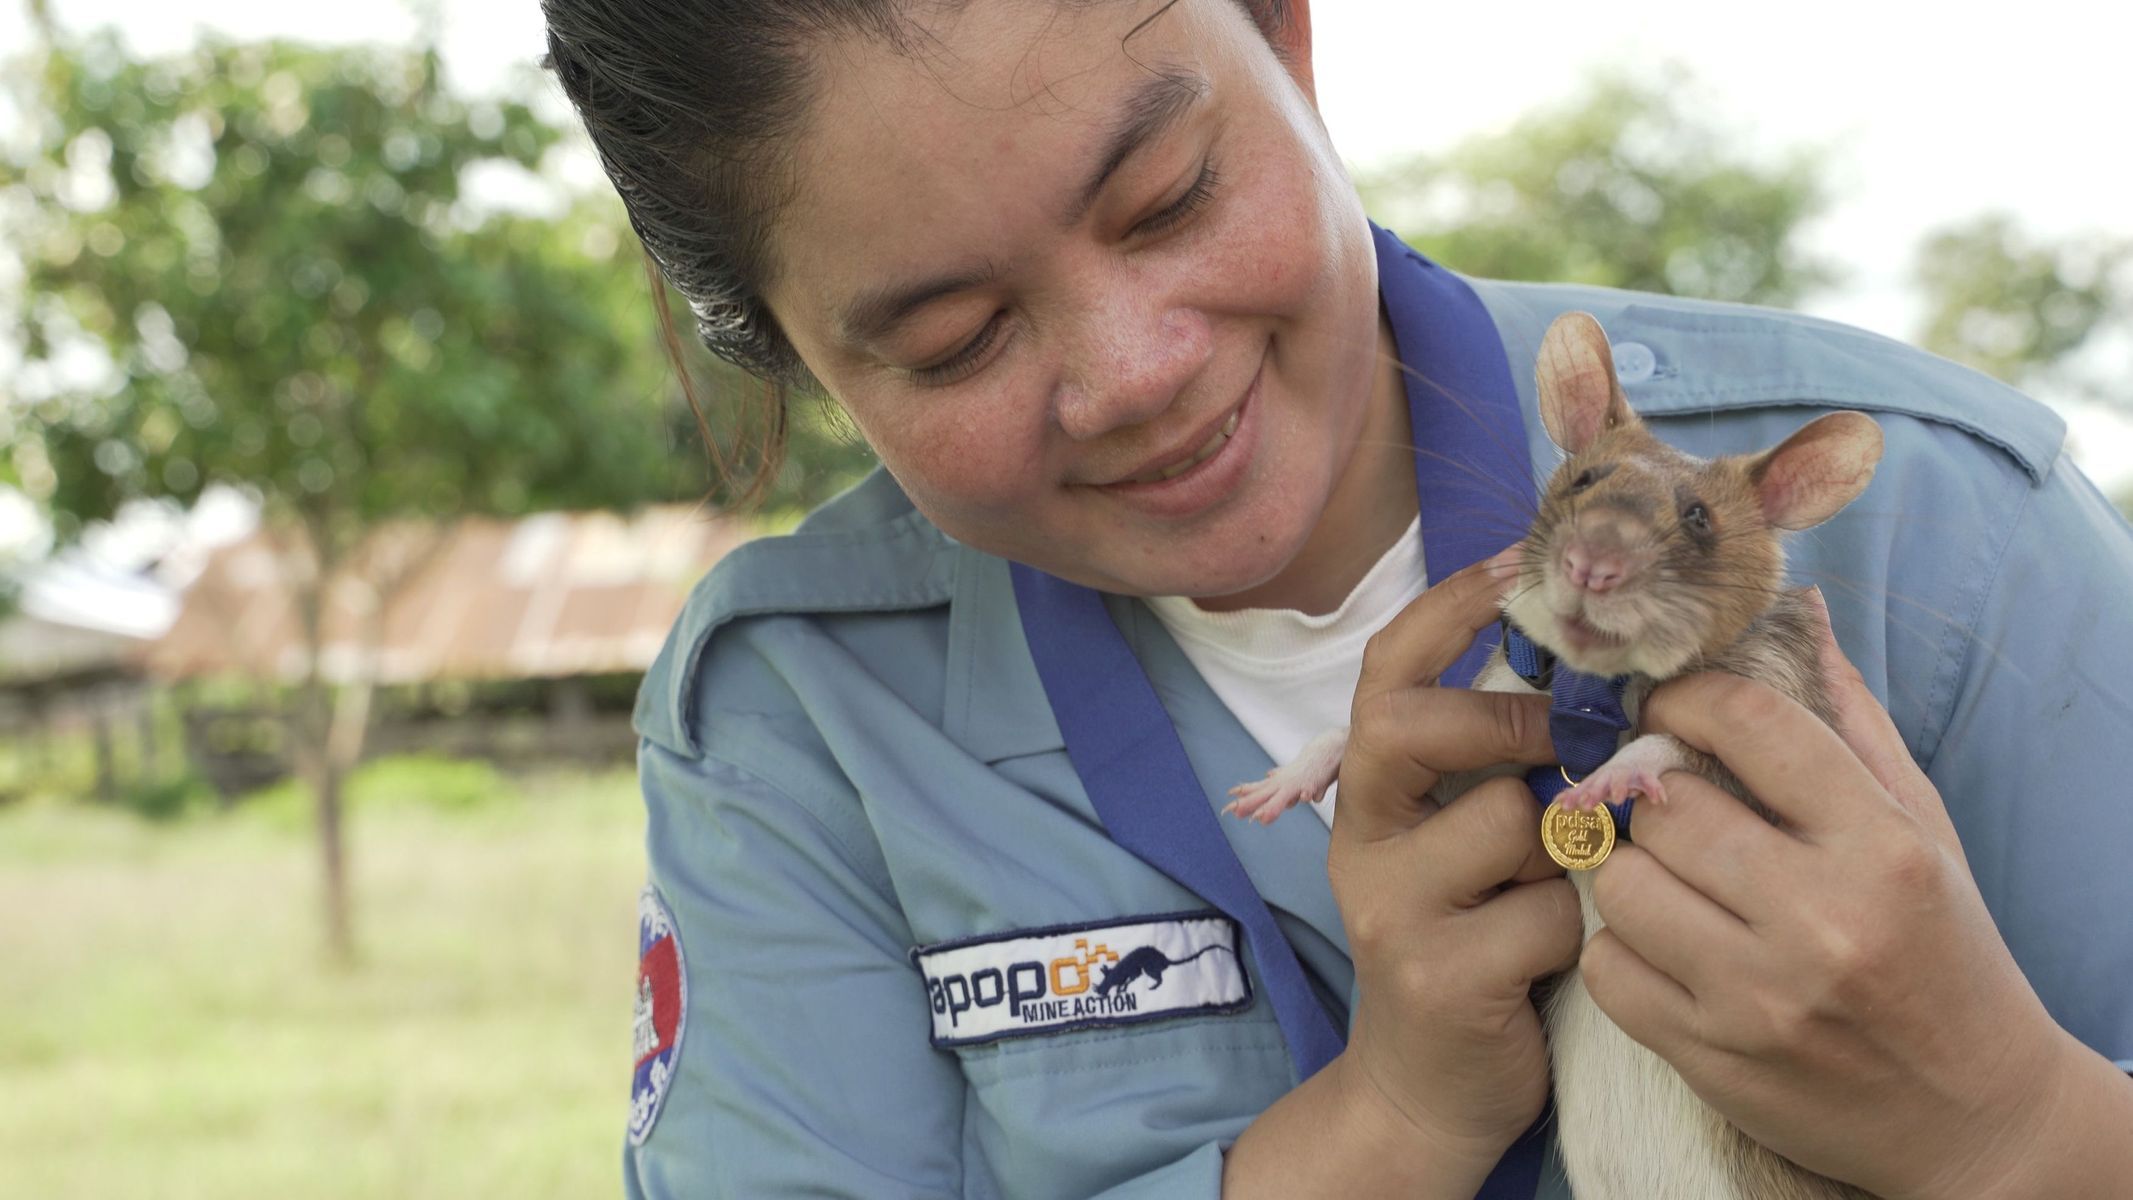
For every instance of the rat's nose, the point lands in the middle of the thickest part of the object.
(1597, 557)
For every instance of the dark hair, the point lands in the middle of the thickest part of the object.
(691, 105)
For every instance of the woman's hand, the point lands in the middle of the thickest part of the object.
(1836, 988)
(1451, 917)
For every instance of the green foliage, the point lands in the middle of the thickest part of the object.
(2018, 308)
(270, 248)
(165, 799)
(390, 784)
(1626, 185)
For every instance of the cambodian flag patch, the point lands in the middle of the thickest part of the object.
(661, 1013)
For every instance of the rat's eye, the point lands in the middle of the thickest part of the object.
(1697, 517)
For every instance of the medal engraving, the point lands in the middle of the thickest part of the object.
(1579, 840)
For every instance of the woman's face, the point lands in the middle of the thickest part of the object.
(1102, 304)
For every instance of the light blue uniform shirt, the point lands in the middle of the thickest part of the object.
(846, 754)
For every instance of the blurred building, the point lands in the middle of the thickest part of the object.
(71, 660)
(548, 596)
(556, 612)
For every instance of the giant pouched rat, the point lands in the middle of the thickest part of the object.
(1648, 562)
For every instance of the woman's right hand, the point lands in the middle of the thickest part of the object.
(1451, 916)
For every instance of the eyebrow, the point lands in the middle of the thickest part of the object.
(1158, 103)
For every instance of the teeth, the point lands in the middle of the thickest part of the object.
(1202, 455)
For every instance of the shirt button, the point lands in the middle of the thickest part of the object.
(1634, 362)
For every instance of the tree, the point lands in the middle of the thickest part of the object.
(255, 265)
(2024, 309)
(1624, 185)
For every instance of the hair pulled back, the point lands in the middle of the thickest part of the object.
(691, 106)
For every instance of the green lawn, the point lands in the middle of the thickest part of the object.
(168, 1027)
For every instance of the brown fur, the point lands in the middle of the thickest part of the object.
(1699, 594)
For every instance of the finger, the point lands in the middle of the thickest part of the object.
(1525, 934)
(1404, 741)
(1679, 930)
(1436, 627)
(1647, 1004)
(1720, 847)
(1867, 728)
(1481, 841)
(1787, 758)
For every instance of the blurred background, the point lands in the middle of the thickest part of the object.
(346, 490)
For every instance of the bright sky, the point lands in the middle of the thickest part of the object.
(1934, 114)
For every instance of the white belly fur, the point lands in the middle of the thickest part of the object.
(1629, 1128)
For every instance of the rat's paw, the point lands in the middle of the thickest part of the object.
(1269, 798)
(1611, 784)
(1301, 780)
(1633, 771)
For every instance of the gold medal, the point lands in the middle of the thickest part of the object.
(1579, 840)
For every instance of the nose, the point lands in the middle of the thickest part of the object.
(1133, 360)
(1604, 551)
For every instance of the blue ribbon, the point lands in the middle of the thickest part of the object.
(1129, 758)
(1585, 719)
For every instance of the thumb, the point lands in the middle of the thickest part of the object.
(1867, 728)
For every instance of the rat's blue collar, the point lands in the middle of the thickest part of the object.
(1585, 718)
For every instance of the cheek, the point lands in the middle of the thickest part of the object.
(1297, 249)
(967, 465)
(1282, 249)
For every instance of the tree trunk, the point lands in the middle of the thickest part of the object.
(150, 761)
(317, 767)
(336, 717)
(333, 860)
(314, 760)
(106, 766)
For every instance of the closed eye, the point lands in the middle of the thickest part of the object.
(964, 360)
(1177, 211)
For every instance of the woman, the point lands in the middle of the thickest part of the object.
(1091, 281)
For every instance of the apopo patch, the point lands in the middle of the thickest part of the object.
(1037, 981)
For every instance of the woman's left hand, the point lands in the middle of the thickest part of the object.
(1836, 988)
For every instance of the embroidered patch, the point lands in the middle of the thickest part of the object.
(661, 1014)
(1033, 981)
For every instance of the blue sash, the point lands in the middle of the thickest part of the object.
(1474, 481)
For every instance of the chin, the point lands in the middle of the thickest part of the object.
(1594, 651)
(1228, 575)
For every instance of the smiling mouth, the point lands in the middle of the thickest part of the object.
(1207, 450)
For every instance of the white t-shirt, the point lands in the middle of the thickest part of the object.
(1287, 676)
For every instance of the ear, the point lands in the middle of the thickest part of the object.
(1580, 398)
(1292, 45)
(1817, 471)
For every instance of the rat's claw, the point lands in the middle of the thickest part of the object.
(1634, 770)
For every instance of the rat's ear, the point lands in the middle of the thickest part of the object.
(1815, 472)
(1580, 398)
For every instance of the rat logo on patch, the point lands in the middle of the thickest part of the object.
(661, 1012)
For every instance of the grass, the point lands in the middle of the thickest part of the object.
(169, 1028)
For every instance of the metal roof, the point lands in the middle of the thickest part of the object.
(546, 595)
